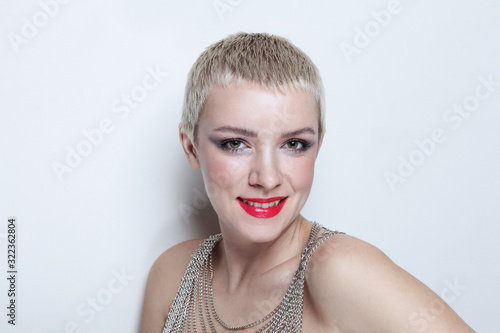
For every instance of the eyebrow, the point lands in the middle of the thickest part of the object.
(298, 132)
(237, 130)
(252, 134)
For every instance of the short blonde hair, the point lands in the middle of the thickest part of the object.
(256, 58)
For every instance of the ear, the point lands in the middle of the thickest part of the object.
(189, 149)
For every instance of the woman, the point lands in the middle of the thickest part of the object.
(253, 122)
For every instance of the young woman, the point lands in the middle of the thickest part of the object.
(253, 122)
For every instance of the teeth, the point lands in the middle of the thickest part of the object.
(261, 205)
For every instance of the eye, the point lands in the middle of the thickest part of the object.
(233, 144)
(294, 144)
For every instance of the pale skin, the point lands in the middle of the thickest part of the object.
(254, 143)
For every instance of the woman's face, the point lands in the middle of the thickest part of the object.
(256, 150)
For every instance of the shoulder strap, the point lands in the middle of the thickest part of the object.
(315, 241)
(177, 314)
(293, 310)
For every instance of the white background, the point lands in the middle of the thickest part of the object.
(134, 195)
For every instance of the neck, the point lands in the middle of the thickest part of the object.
(241, 261)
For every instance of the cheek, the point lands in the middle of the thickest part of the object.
(220, 174)
(301, 173)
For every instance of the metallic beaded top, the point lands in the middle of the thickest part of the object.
(193, 305)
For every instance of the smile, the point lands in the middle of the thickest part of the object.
(262, 208)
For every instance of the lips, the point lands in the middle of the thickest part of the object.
(262, 208)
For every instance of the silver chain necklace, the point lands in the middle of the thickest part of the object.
(195, 293)
(220, 321)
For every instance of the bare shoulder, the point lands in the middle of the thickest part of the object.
(163, 282)
(355, 287)
(171, 264)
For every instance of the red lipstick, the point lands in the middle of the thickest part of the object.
(261, 212)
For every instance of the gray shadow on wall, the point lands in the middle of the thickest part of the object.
(196, 214)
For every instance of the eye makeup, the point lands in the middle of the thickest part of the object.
(238, 145)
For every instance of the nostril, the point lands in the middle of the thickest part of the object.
(265, 171)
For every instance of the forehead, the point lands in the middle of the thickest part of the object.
(257, 107)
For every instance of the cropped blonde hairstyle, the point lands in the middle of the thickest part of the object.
(255, 58)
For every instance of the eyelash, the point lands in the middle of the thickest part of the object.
(305, 145)
(225, 145)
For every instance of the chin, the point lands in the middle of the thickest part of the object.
(260, 230)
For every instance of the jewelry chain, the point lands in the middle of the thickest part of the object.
(196, 287)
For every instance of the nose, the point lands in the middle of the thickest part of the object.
(265, 171)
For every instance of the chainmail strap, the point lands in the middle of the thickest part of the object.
(288, 314)
(177, 315)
